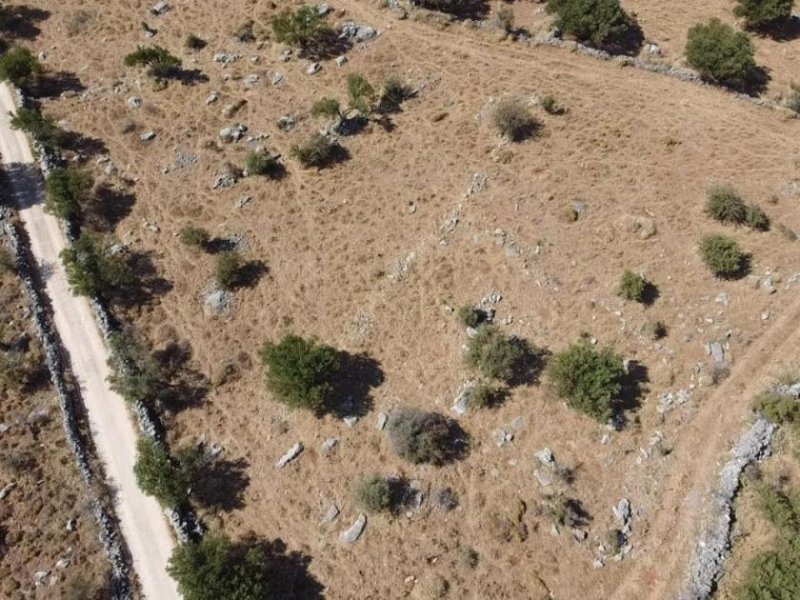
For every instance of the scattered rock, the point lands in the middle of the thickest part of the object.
(62, 563)
(444, 499)
(329, 444)
(134, 102)
(622, 512)
(476, 184)
(218, 302)
(722, 298)
(243, 201)
(717, 352)
(653, 49)
(148, 136)
(314, 68)
(226, 59)
(341, 60)
(503, 438)
(330, 515)
(40, 576)
(383, 418)
(351, 535)
(290, 455)
(543, 477)
(323, 9)
(286, 122)
(546, 457)
(357, 32)
(159, 8)
(233, 133)
(212, 98)
(579, 534)
(278, 79)
(72, 525)
(251, 81)
(6, 489)
(788, 390)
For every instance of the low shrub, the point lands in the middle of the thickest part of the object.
(721, 54)
(166, 479)
(263, 163)
(67, 191)
(394, 93)
(327, 107)
(778, 409)
(589, 379)
(375, 494)
(723, 256)
(195, 43)
(551, 106)
(361, 93)
(725, 205)
(469, 316)
(654, 330)
(423, 437)
(513, 120)
(493, 353)
(632, 286)
(136, 375)
(596, 21)
(229, 270)
(159, 62)
(303, 28)
(505, 19)
(485, 395)
(319, 151)
(8, 264)
(300, 371)
(39, 126)
(94, 269)
(756, 218)
(196, 237)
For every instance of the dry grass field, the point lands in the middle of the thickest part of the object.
(374, 255)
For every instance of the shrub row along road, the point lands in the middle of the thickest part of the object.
(146, 531)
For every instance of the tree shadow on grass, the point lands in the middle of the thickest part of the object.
(781, 30)
(287, 570)
(85, 145)
(634, 386)
(190, 77)
(52, 85)
(184, 386)
(529, 365)
(628, 43)
(222, 485)
(251, 272)
(460, 9)
(108, 208)
(20, 22)
(327, 45)
(351, 393)
(150, 285)
(650, 294)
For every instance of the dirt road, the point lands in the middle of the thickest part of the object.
(143, 524)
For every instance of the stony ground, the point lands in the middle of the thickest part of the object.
(375, 254)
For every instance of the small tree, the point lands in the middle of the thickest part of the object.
(723, 256)
(229, 270)
(725, 205)
(196, 237)
(361, 93)
(588, 379)
(327, 107)
(551, 106)
(263, 163)
(166, 479)
(422, 437)
(756, 218)
(393, 95)
(763, 13)
(493, 353)
(319, 151)
(300, 371)
(513, 120)
(505, 19)
(301, 28)
(40, 127)
(159, 62)
(213, 569)
(721, 53)
(469, 316)
(136, 375)
(375, 494)
(632, 286)
(93, 269)
(67, 191)
(596, 21)
(20, 67)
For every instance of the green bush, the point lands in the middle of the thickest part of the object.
(300, 372)
(756, 218)
(773, 575)
(551, 106)
(302, 28)
(485, 395)
(763, 13)
(8, 264)
(40, 127)
(319, 151)
(20, 67)
(196, 237)
(422, 437)
(159, 62)
(263, 163)
(326, 107)
(195, 43)
(723, 256)
(375, 494)
(632, 286)
(361, 93)
(393, 95)
(229, 270)
(159, 475)
(781, 509)
(93, 269)
(215, 569)
(469, 316)
(67, 191)
(721, 54)
(513, 120)
(588, 379)
(596, 21)
(725, 205)
(135, 374)
(505, 19)
(778, 409)
(493, 353)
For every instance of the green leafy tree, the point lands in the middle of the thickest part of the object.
(229, 270)
(93, 269)
(721, 54)
(723, 256)
(300, 371)
(20, 67)
(67, 191)
(596, 21)
(763, 13)
(588, 379)
(302, 28)
(159, 62)
(361, 93)
(136, 375)
(214, 569)
(40, 127)
(165, 478)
